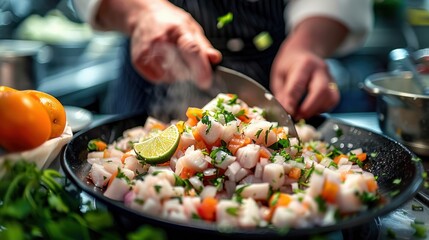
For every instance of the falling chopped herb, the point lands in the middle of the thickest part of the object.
(223, 20)
(397, 181)
(416, 159)
(373, 154)
(263, 41)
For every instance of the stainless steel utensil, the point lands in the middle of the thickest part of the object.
(400, 60)
(230, 81)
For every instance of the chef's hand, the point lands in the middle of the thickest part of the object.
(167, 44)
(300, 75)
(300, 78)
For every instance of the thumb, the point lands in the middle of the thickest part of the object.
(214, 55)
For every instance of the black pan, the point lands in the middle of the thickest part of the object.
(393, 161)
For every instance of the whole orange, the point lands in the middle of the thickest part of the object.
(7, 89)
(55, 109)
(24, 122)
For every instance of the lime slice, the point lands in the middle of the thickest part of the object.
(159, 148)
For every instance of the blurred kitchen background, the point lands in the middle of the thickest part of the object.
(77, 65)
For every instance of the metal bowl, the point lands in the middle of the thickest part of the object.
(403, 112)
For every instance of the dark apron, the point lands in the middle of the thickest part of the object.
(131, 93)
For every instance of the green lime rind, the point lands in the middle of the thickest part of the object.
(159, 149)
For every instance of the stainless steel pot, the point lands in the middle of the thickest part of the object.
(403, 112)
(21, 63)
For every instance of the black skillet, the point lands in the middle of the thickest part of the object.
(388, 159)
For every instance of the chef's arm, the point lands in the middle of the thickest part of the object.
(354, 15)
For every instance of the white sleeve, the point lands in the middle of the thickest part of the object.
(357, 15)
(86, 10)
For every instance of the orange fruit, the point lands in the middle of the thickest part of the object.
(24, 122)
(55, 109)
(7, 89)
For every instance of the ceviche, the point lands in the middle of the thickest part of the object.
(234, 168)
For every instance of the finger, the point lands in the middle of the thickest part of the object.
(321, 97)
(294, 87)
(198, 63)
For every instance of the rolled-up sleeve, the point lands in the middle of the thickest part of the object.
(87, 10)
(356, 15)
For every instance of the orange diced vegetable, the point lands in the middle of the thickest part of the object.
(194, 115)
(372, 185)
(124, 157)
(106, 153)
(295, 173)
(279, 199)
(207, 209)
(330, 191)
(187, 173)
(361, 157)
(264, 153)
(337, 158)
(237, 142)
(112, 178)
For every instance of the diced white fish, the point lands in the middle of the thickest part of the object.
(208, 191)
(172, 209)
(132, 163)
(210, 132)
(117, 189)
(193, 159)
(261, 132)
(99, 176)
(229, 129)
(227, 213)
(257, 191)
(223, 160)
(249, 213)
(163, 173)
(274, 175)
(248, 155)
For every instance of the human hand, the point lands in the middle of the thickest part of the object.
(167, 44)
(298, 73)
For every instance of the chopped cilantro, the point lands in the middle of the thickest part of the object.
(397, 181)
(233, 211)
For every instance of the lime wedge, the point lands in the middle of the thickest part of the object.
(159, 148)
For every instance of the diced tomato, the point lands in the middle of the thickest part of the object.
(187, 173)
(295, 173)
(237, 142)
(207, 209)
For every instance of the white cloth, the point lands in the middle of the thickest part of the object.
(357, 15)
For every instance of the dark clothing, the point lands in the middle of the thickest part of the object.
(131, 93)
